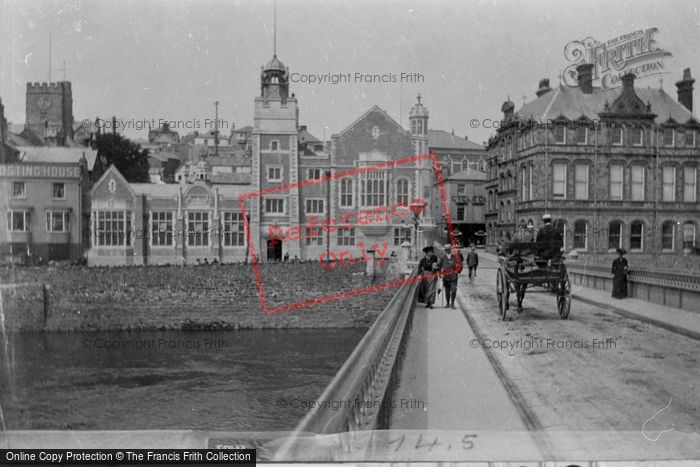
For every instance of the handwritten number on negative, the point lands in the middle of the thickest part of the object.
(430, 446)
(399, 440)
(467, 443)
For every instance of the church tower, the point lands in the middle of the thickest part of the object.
(275, 163)
(49, 112)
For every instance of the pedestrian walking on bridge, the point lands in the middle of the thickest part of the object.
(449, 265)
(472, 263)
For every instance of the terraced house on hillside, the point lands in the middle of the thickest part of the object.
(619, 167)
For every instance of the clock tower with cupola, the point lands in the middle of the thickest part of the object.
(275, 163)
(49, 113)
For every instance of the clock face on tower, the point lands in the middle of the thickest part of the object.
(43, 103)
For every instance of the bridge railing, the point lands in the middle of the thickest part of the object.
(671, 288)
(353, 401)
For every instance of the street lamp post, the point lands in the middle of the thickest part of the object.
(417, 207)
(328, 214)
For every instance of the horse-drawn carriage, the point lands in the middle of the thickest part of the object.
(537, 265)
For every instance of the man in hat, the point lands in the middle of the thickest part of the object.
(449, 265)
(549, 239)
(619, 272)
(428, 267)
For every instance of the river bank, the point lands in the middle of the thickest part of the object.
(207, 297)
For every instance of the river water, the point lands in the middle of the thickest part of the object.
(231, 380)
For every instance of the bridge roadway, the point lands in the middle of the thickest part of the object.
(582, 387)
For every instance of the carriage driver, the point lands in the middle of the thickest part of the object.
(549, 239)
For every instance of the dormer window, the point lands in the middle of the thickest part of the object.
(668, 137)
(637, 136)
(559, 133)
(581, 135)
(616, 136)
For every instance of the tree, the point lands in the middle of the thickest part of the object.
(128, 157)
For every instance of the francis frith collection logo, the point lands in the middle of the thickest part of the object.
(637, 52)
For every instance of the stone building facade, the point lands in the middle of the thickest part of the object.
(42, 211)
(289, 204)
(619, 168)
(146, 223)
(466, 200)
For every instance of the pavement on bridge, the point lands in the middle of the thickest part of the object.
(458, 387)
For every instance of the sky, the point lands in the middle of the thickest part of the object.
(145, 60)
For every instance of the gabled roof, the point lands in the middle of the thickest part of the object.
(57, 154)
(112, 171)
(572, 103)
(443, 139)
(306, 137)
(374, 108)
(245, 129)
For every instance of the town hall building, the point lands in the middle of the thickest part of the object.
(289, 194)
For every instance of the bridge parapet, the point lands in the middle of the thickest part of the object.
(353, 401)
(666, 287)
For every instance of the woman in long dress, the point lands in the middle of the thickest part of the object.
(428, 286)
(619, 272)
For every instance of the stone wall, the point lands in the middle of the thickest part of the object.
(195, 297)
(22, 307)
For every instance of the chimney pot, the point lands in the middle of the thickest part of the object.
(543, 87)
(628, 80)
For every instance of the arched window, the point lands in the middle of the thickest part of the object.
(402, 192)
(668, 230)
(509, 211)
(501, 208)
(637, 235)
(614, 235)
(581, 235)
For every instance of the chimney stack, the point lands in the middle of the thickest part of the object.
(544, 87)
(685, 90)
(508, 109)
(585, 77)
(628, 80)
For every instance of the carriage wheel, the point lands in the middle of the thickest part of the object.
(564, 297)
(501, 294)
